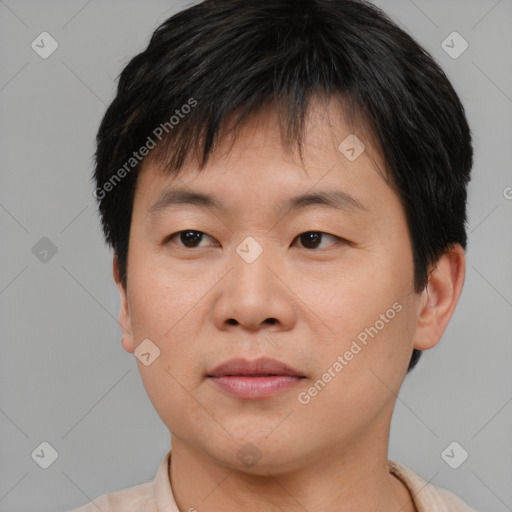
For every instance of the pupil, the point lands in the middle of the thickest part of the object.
(186, 238)
(311, 237)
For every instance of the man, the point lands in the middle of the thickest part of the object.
(283, 184)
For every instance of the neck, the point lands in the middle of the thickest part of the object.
(335, 481)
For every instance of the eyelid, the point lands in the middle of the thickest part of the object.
(169, 238)
(338, 239)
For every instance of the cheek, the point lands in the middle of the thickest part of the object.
(367, 374)
(171, 307)
(371, 332)
(163, 309)
(351, 296)
(160, 298)
(369, 308)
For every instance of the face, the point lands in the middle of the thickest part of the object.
(326, 289)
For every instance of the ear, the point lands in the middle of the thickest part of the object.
(439, 298)
(124, 314)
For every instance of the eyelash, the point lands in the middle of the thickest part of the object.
(171, 237)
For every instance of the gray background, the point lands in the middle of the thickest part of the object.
(64, 377)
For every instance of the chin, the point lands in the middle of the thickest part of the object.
(258, 454)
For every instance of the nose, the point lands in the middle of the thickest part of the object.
(254, 294)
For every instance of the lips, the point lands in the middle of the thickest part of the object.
(254, 380)
(257, 368)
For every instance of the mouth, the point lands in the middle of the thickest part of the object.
(261, 378)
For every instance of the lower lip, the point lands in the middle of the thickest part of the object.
(255, 387)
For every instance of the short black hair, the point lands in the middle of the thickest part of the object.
(221, 58)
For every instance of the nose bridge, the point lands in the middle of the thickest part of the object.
(250, 249)
(252, 294)
(252, 259)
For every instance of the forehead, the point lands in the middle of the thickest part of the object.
(254, 162)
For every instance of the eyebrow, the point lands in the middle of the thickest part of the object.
(328, 198)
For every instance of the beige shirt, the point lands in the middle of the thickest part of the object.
(157, 496)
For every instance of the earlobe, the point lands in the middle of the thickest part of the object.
(440, 297)
(124, 313)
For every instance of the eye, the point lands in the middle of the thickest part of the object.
(311, 239)
(190, 238)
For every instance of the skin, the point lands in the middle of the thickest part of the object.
(204, 304)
